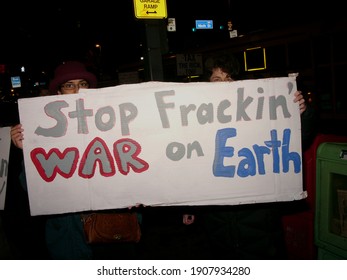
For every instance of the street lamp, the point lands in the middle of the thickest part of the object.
(98, 46)
(99, 61)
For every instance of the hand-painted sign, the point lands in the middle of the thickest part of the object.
(163, 144)
(5, 144)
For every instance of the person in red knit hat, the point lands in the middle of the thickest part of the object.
(64, 232)
(69, 77)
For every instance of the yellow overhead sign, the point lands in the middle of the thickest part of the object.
(150, 9)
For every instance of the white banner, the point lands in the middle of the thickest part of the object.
(163, 144)
(5, 145)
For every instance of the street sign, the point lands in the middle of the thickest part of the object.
(171, 24)
(150, 9)
(204, 24)
(16, 82)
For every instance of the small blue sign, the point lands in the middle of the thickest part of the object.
(16, 82)
(204, 24)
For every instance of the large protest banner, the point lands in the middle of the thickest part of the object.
(5, 145)
(161, 144)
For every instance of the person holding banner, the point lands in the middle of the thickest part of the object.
(64, 82)
(64, 233)
(65, 237)
(246, 231)
(225, 68)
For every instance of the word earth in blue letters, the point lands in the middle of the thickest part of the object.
(254, 162)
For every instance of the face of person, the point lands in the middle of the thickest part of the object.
(73, 86)
(218, 75)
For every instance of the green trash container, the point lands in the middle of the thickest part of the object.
(331, 201)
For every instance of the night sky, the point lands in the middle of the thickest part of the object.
(47, 33)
